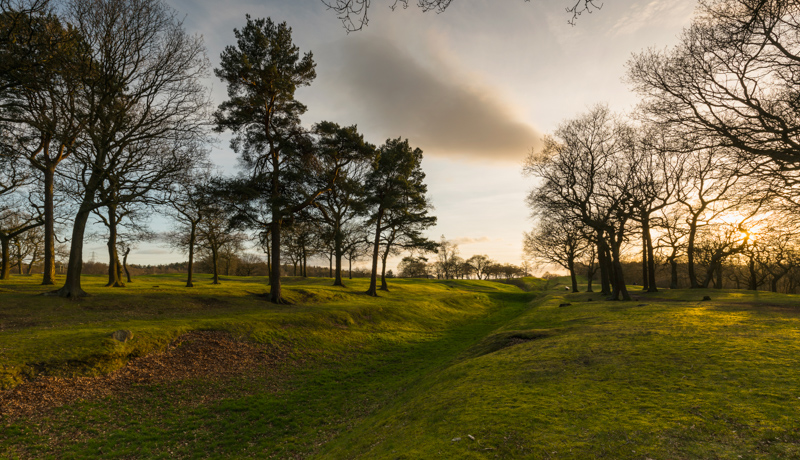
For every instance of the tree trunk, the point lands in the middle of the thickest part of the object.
(645, 278)
(620, 290)
(33, 260)
(384, 286)
(337, 251)
(49, 269)
(215, 263)
(589, 276)
(275, 273)
(718, 284)
(72, 284)
(125, 264)
(774, 284)
(673, 282)
(753, 285)
(651, 259)
(19, 256)
(304, 262)
(693, 284)
(573, 276)
(5, 269)
(373, 279)
(113, 257)
(602, 259)
(192, 237)
(350, 268)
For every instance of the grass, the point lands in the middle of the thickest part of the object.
(455, 369)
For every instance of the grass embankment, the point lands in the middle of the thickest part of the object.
(447, 369)
(350, 356)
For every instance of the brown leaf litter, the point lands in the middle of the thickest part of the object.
(211, 355)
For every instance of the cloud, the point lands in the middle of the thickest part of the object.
(152, 251)
(394, 95)
(645, 14)
(467, 240)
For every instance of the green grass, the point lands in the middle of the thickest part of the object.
(455, 369)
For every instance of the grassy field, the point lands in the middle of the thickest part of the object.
(432, 369)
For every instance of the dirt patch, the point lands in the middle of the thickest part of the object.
(199, 354)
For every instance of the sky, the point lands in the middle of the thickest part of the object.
(475, 87)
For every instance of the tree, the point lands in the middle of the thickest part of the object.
(585, 176)
(396, 196)
(672, 241)
(731, 80)
(356, 244)
(353, 13)
(344, 202)
(413, 267)
(214, 233)
(479, 264)
(403, 232)
(28, 244)
(447, 255)
(556, 240)
(41, 104)
(16, 220)
(262, 73)
(187, 200)
(655, 180)
(144, 103)
(710, 183)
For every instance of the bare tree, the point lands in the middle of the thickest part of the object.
(354, 13)
(559, 241)
(479, 264)
(44, 112)
(145, 103)
(16, 218)
(731, 80)
(586, 177)
(187, 201)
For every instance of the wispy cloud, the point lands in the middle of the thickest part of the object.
(395, 95)
(644, 14)
(464, 240)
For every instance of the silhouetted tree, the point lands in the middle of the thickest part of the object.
(556, 240)
(585, 177)
(354, 13)
(479, 264)
(731, 80)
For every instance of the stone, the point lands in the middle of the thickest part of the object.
(122, 335)
(456, 439)
(705, 297)
(564, 305)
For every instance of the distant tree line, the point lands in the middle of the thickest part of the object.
(448, 264)
(701, 179)
(105, 117)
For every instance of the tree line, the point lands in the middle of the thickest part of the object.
(448, 264)
(701, 176)
(104, 115)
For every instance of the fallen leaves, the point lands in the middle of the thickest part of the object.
(212, 355)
